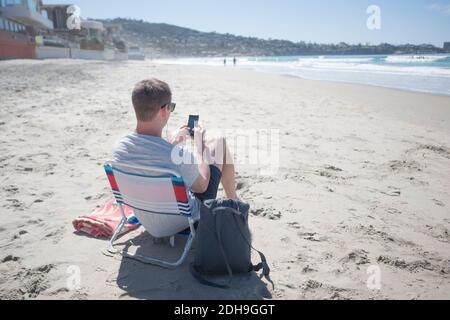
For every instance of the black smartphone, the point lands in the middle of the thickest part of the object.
(193, 120)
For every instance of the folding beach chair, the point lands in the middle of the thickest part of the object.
(155, 193)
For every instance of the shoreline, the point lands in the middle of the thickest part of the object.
(370, 85)
(388, 76)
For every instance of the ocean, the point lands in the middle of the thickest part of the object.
(420, 73)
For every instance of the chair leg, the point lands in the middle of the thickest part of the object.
(165, 264)
(172, 242)
(119, 228)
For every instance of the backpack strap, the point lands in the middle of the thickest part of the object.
(263, 265)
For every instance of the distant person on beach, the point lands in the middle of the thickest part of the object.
(224, 62)
(152, 101)
(234, 61)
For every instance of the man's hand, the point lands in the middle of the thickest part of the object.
(181, 136)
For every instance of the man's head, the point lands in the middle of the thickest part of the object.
(151, 101)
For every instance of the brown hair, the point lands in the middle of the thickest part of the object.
(149, 96)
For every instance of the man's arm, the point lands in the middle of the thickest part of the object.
(201, 184)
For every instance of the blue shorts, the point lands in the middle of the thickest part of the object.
(213, 187)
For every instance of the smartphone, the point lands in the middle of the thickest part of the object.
(193, 120)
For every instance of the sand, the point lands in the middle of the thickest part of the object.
(363, 183)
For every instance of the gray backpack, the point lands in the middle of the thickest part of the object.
(223, 243)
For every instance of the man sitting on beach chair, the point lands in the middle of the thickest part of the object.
(152, 101)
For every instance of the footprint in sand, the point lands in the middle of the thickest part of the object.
(392, 192)
(325, 174)
(19, 235)
(315, 289)
(55, 235)
(59, 291)
(308, 269)
(372, 232)
(10, 258)
(35, 222)
(26, 283)
(14, 204)
(394, 211)
(439, 232)
(269, 213)
(311, 236)
(333, 173)
(439, 203)
(34, 281)
(311, 285)
(405, 166)
(49, 170)
(441, 150)
(11, 190)
(294, 225)
(333, 168)
(413, 266)
(79, 296)
(358, 257)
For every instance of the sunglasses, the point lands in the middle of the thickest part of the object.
(171, 106)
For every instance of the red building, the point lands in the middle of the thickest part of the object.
(16, 46)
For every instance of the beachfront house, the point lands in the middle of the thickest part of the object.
(447, 47)
(20, 22)
(26, 12)
(90, 35)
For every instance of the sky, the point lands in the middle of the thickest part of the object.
(321, 21)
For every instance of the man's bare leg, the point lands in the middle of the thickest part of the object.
(224, 161)
(229, 181)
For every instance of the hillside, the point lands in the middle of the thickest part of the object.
(159, 40)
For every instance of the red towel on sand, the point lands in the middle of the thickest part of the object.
(103, 221)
